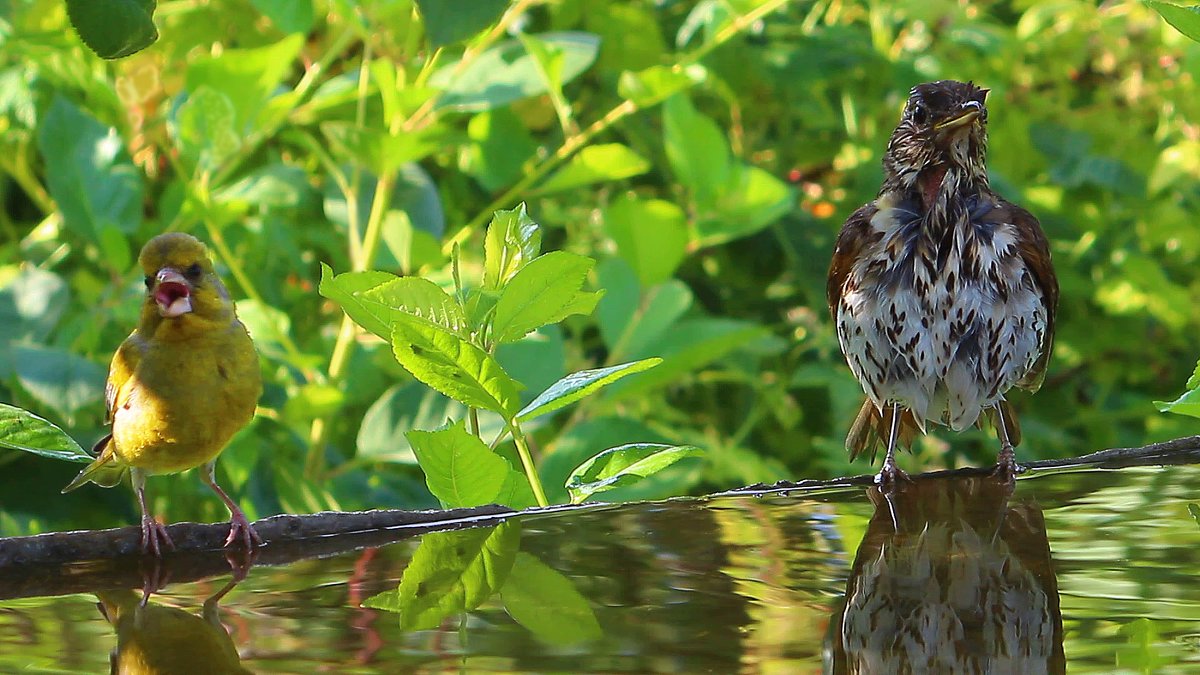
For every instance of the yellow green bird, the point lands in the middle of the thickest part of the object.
(180, 386)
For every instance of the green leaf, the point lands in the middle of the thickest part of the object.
(114, 28)
(596, 164)
(450, 21)
(289, 16)
(537, 293)
(419, 298)
(377, 149)
(32, 304)
(205, 130)
(576, 386)
(651, 235)
(313, 401)
(89, 173)
(623, 465)
(460, 469)
(512, 240)
(1186, 20)
(22, 430)
(403, 407)
(346, 288)
(453, 366)
(655, 84)
(696, 149)
(692, 344)
(632, 328)
(500, 147)
(1187, 404)
(546, 602)
(248, 77)
(507, 72)
(1194, 509)
(751, 200)
(537, 361)
(451, 573)
(58, 379)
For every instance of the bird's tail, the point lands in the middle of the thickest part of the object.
(1008, 418)
(104, 471)
(871, 428)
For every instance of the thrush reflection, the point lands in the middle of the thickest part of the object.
(153, 638)
(951, 577)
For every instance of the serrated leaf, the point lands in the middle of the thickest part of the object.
(420, 298)
(460, 469)
(596, 164)
(1186, 20)
(546, 602)
(345, 289)
(453, 366)
(537, 294)
(451, 573)
(576, 386)
(623, 465)
(512, 240)
(114, 28)
(22, 430)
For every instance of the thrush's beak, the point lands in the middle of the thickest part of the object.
(967, 113)
(172, 293)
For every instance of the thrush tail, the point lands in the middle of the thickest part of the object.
(871, 427)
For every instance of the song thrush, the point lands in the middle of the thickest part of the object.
(942, 291)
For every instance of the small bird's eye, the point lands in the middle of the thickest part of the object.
(919, 114)
(193, 272)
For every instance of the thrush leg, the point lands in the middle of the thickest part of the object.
(240, 529)
(1006, 461)
(154, 533)
(889, 474)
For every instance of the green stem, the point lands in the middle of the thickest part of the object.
(527, 463)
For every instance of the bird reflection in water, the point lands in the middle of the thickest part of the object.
(951, 577)
(160, 640)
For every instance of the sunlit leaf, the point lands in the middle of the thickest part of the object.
(22, 430)
(1184, 19)
(696, 148)
(453, 366)
(536, 294)
(578, 385)
(655, 84)
(512, 240)
(248, 77)
(651, 235)
(206, 128)
(546, 602)
(460, 469)
(451, 573)
(750, 201)
(345, 289)
(449, 21)
(289, 16)
(596, 164)
(622, 465)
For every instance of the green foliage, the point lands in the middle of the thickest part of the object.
(620, 466)
(703, 155)
(22, 430)
(114, 28)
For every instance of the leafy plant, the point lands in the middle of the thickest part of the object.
(448, 341)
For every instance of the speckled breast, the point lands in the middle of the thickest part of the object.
(939, 312)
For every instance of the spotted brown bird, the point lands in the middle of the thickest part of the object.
(180, 386)
(942, 291)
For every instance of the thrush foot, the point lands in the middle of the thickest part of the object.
(1006, 465)
(889, 477)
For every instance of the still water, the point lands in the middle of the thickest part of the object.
(1094, 570)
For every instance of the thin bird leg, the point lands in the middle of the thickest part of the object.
(888, 475)
(1006, 461)
(154, 533)
(239, 528)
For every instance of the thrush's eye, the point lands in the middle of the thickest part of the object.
(919, 114)
(193, 272)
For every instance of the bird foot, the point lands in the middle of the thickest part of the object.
(889, 477)
(1006, 465)
(154, 537)
(241, 531)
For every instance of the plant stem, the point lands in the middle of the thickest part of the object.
(527, 462)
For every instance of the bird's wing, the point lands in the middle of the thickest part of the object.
(1034, 250)
(849, 243)
(124, 364)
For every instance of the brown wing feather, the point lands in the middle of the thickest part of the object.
(1034, 249)
(849, 243)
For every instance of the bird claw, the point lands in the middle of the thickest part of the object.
(241, 531)
(1006, 465)
(155, 537)
(889, 477)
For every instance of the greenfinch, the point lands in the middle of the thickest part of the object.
(180, 386)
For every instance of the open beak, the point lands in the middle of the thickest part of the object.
(172, 293)
(968, 113)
